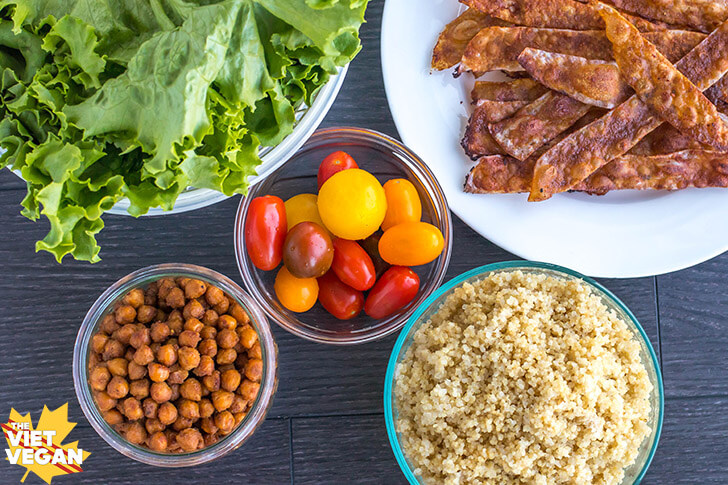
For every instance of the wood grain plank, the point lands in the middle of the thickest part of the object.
(343, 450)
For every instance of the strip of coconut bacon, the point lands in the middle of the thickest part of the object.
(703, 15)
(516, 90)
(455, 37)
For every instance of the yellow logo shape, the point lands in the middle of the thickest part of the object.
(41, 450)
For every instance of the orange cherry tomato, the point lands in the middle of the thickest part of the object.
(353, 265)
(411, 244)
(265, 231)
(397, 287)
(296, 294)
(334, 163)
(340, 300)
(403, 203)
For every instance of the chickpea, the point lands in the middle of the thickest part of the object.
(165, 286)
(112, 349)
(135, 433)
(226, 322)
(188, 358)
(125, 314)
(136, 371)
(167, 413)
(206, 409)
(205, 367)
(195, 288)
(160, 392)
(222, 400)
(238, 313)
(172, 446)
(227, 338)
(188, 338)
(175, 298)
(159, 331)
(132, 408)
(150, 295)
(154, 426)
(98, 342)
(140, 338)
(208, 425)
(212, 382)
(230, 380)
(175, 392)
(222, 307)
(144, 355)
(99, 378)
(239, 404)
(214, 295)
(158, 372)
(124, 333)
(155, 347)
(254, 369)
(177, 375)
(248, 390)
(247, 336)
(150, 408)
(208, 347)
(118, 387)
(210, 317)
(139, 389)
(191, 389)
(167, 355)
(188, 409)
(94, 360)
(239, 417)
(129, 354)
(113, 417)
(189, 439)
(239, 348)
(146, 313)
(193, 324)
(104, 401)
(182, 423)
(158, 441)
(108, 324)
(225, 422)
(226, 356)
(175, 315)
(193, 309)
(135, 298)
(118, 366)
(241, 361)
(255, 351)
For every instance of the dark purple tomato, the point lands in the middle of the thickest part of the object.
(308, 250)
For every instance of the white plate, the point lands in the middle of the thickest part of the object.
(623, 234)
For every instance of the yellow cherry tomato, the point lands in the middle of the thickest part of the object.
(302, 208)
(403, 203)
(352, 204)
(411, 244)
(296, 294)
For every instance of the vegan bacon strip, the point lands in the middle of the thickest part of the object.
(456, 35)
(534, 125)
(666, 139)
(703, 15)
(516, 90)
(477, 140)
(495, 111)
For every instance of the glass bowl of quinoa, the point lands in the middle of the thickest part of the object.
(522, 372)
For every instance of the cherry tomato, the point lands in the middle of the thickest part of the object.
(403, 203)
(308, 251)
(296, 294)
(340, 300)
(352, 204)
(397, 287)
(371, 246)
(411, 244)
(336, 162)
(302, 207)
(353, 265)
(265, 231)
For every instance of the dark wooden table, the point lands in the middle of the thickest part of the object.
(326, 424)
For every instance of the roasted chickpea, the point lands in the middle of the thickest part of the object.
(140, 338)
(167, 413)
(208, 425)
(159, 331)
(167, 355)
(146, 313)
(227, 338)
(144, 355)
(125, 314)
(154, 426)
(239, 417)
(191, 389)
(248, 390)
(104, 401)
(188, 409)
(189, 439)
(135, 298)
(193, 324)
(160, 392)
(118, 366)
(188, 358)
(94, 359)
(135, 433)
(112, 349)
(206, 408)
(226, 356)
(98, 342)
(214, 295)
(177, 375)
(175, 392)
(247, 336)
(222, 400)
(124, 333)
(150, 295)
(193, 309)
(210, 317)
(99, 378)
(212, 382)
(139, 389)
(158, 372)
(222, 307)
(238, 405)
(175, 298)
(225, 422)
(132, 408)
(117, 387)
(136, 371)
(158, 441)
(150, 408)
(129, 354)
(238, 313)
(226, 322)
(195, 288)
(254, 369)
(113, 416)
(108, 324)
(255, 351)
(205, 367)
(208, 347)
(230, 380)
(189, 338)
(182, 423)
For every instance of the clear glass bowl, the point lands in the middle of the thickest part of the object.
(105, 303)
(633, 473)
(386, 158)
(308, 119)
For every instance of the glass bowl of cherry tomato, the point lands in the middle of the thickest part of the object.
(346, 239)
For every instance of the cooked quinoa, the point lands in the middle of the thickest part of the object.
(522, 378)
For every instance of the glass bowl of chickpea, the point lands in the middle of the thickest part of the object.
(175, 365)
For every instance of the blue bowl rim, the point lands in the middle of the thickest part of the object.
(457, 281)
